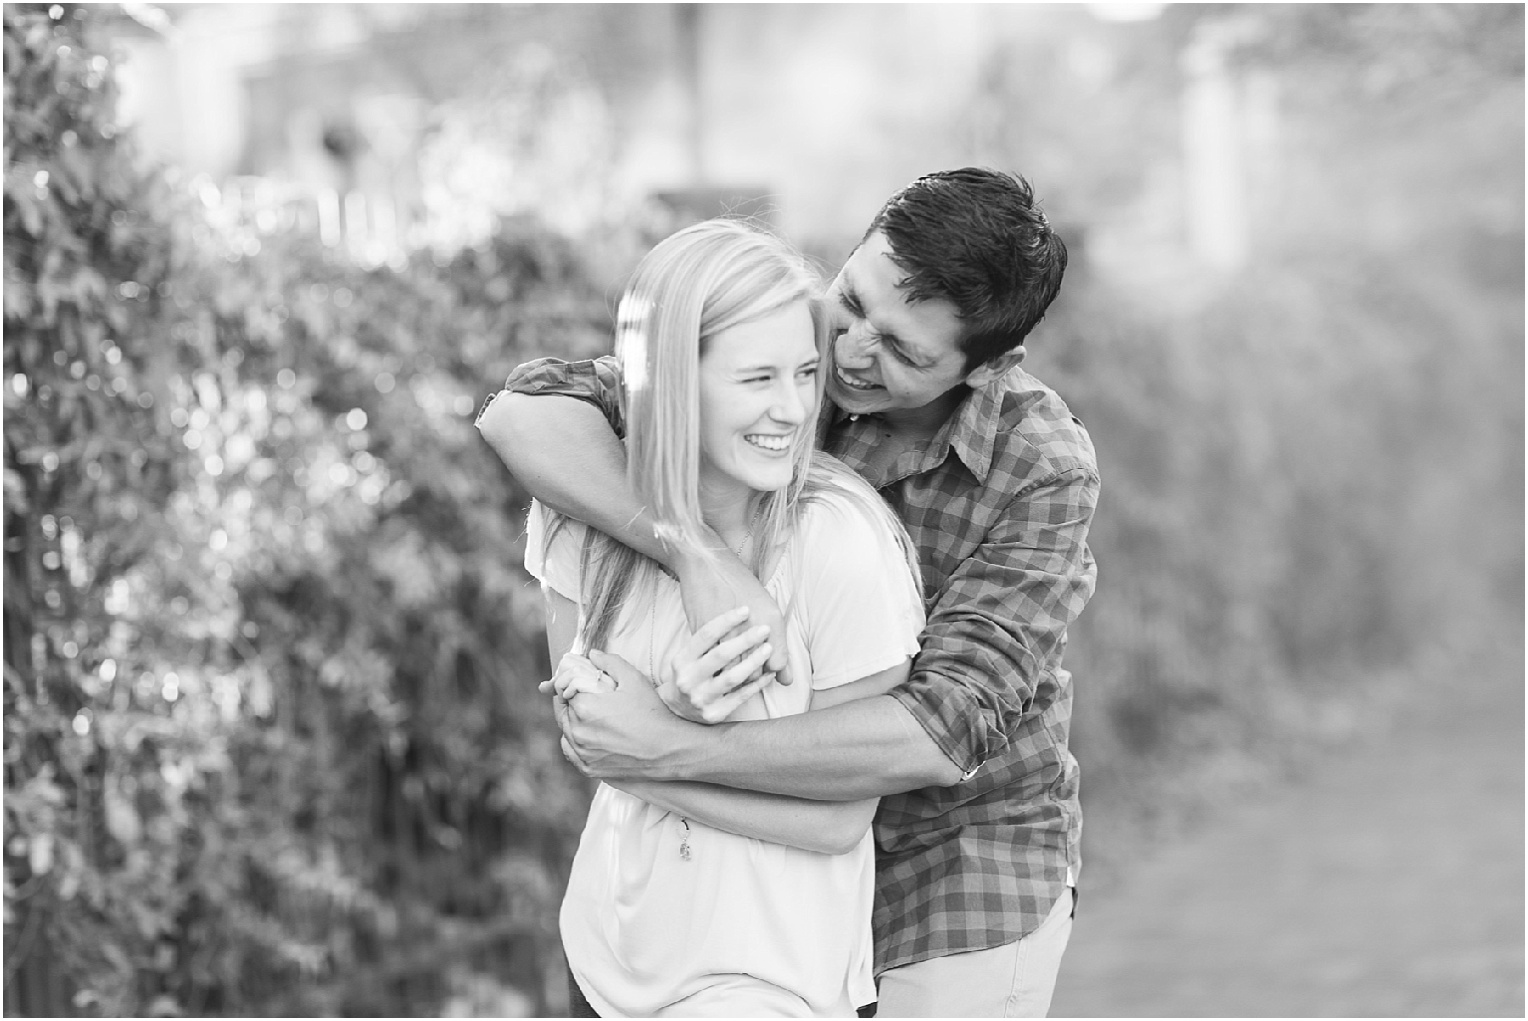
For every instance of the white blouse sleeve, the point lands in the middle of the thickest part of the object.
(558, 567)
(860, 606)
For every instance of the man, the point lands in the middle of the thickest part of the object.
(977, 833)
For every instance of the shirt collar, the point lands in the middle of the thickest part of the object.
(971, 432)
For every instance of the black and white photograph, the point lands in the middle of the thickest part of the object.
(730, 510)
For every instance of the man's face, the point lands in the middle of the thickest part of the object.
(889, 355)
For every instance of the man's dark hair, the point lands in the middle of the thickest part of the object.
(975, 238)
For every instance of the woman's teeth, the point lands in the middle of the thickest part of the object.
(771, 443)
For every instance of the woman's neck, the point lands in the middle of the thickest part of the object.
(729, 510)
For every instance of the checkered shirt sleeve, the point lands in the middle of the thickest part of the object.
(596, 381)
(998, 623)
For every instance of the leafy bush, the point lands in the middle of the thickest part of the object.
(272, 738)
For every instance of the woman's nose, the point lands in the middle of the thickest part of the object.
(788, 407)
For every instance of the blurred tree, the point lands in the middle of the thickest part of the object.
(1291, 450)
(272, 739)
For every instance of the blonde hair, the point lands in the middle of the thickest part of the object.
(693, 285)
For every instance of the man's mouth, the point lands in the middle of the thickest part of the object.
(852, 383)
(772, 443)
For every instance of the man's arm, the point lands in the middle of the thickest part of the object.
(861, 749)
(553, 427)
(563, 451)
(993, 628)
(1000, 623)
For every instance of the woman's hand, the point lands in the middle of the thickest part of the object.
(712, 585)
(575, 674)
(711, 671)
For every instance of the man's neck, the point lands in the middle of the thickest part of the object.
(919, 425)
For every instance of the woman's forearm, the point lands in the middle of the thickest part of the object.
(828, 827)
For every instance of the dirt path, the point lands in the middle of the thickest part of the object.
(1389, 882)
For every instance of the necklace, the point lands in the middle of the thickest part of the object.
(652, 665)
(652, 673)
(753, 520)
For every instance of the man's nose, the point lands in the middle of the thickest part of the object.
(856, 343)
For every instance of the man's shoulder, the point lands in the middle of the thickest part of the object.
(1037, 435)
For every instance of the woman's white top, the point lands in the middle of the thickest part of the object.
(737, 927)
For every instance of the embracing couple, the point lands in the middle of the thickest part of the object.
(809, 557)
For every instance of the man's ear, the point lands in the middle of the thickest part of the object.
(994, 367)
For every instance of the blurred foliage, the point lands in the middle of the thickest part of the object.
(1313, 464)
(272, 738)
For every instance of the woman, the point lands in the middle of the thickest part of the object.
(690, 900)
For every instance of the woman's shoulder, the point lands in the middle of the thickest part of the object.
(838, 500)
(553, 548)
(543, 524)
(840, 516)
(856, 583)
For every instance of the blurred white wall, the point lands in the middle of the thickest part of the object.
(828, 108)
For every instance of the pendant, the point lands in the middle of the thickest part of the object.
(684, 844)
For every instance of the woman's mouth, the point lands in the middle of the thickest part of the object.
(769, 442)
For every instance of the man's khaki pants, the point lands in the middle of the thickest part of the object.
(1012, 980)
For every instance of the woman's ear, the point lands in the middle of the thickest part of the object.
(994, 367)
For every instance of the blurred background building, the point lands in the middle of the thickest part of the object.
(401, 124)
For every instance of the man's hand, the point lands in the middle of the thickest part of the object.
(626, 733)
(713, 585)
(717, 669)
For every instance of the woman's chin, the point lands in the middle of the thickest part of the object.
(768, 482)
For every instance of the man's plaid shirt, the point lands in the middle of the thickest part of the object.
(998, 505)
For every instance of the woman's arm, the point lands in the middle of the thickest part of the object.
(561, 623)
(831, 827)
(828, 827)
(865, 687)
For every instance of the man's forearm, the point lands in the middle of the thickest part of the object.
(864, 749)
(564, 453)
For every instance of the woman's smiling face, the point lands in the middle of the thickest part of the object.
(758, 392)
